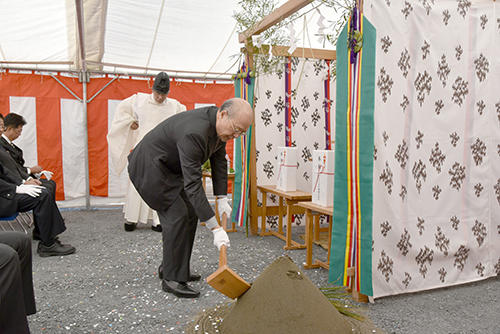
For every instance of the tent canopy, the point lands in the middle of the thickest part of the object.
(129, 36)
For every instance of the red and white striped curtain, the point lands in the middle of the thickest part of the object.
(54, 134)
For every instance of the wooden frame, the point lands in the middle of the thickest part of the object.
(276, 16)
(279, 50)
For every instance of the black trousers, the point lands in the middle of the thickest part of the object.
(17, 298)
(47, 218)
(179, 223)
(51, 187)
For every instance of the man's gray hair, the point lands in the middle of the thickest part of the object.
(228, 105)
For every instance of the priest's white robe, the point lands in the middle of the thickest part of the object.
(143, 109)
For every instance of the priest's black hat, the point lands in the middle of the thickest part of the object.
(162, 83)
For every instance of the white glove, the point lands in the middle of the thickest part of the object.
(29, 189)
(48, 174)
(220, 236)
(223, 207)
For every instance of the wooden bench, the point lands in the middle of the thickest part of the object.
(291, 198)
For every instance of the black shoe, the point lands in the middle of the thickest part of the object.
(129, 227)
(192, 277)
(57, 241)
(56, 249)
(156, 228)
(180, 289)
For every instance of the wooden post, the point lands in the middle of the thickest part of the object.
(356, 295)
(254, 228)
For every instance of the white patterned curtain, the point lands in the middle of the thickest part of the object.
(436, 207)
(308, 99)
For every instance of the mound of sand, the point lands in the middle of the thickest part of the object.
(283, 300)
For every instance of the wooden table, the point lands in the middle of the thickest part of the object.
(230, 176)
(291, 199)
(315, 210)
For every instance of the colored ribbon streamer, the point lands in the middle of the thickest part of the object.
(244, 86)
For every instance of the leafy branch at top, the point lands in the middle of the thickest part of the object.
(253, 11)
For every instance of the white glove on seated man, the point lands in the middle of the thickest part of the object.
(223, 206)
(29, 189)
(220, 236)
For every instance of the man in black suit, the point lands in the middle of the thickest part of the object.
(20, 195)
(165, 168)
(17, 299)
(14, 124)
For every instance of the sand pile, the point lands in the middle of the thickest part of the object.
(283, 300)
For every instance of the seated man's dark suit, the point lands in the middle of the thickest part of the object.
(165, 168)
(46, 215)
(17, 156)
(17, 298)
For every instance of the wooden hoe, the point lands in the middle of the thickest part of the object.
(224, 279)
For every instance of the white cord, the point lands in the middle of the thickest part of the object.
(220, 53)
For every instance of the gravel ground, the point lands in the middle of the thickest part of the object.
(110, 285)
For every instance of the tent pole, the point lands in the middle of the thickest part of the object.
(86, 150)
(84, 77)
(199, 77)
(66, 87)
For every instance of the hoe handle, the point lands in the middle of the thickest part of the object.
(223, 256)
(223, 248)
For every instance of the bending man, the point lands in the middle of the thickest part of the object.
(165, 168)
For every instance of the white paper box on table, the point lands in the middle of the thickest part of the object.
(322, 177)
(287, 169)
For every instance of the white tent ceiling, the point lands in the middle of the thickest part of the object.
(176, 35)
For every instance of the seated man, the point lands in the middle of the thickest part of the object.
(17, 298)
(19, 195)
(14, 124)
(20, 173)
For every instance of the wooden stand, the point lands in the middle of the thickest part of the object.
(356, 295)
(291, 199)
(313, 211)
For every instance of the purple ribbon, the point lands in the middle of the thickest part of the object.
(248, 79)
(352, 41)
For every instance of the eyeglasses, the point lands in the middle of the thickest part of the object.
(237, 132)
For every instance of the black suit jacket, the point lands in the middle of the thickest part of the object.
(8, 204)
(169, 159)
(16, 172)
(12, 170)
(15, 152)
